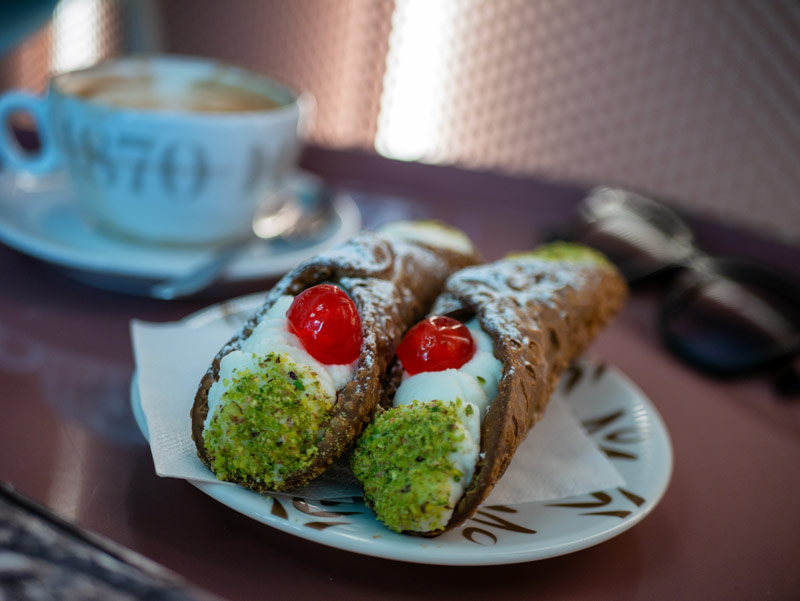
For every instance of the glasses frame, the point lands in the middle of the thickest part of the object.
(712, 270)
(607, 211)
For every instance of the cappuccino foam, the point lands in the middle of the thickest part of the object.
(145, 93)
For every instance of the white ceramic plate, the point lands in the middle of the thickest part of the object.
(615, 413)
(41, 218)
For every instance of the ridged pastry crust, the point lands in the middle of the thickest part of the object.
(541, 315)
(392, 284)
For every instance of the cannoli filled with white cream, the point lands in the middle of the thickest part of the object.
(471, 380)
(288, 394)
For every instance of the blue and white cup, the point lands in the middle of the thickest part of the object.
(163, 149)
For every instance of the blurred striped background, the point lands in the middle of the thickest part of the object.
(695, 102)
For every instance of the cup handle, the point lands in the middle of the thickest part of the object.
(11, 153)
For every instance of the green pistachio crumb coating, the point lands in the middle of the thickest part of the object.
(402, 460)
(565, 251)
(268, 423)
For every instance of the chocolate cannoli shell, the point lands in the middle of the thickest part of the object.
(392, 284)
(541, 315)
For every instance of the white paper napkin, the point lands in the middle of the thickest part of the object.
(556, 460)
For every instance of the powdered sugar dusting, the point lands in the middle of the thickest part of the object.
(501, 289)
(367, 254)
(381, 273)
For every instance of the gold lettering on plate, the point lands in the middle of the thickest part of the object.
(627, 435)
(621, 435)
(598, 423)
(278, 510)
(618, 513)
(503, 508)
(633, 498)
(615, 454)
(470, 532)
(493, 521)
(601, 500)
(324, 525)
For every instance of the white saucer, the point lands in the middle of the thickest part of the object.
(44, 221)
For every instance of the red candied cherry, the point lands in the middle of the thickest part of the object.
(436, 344)
(327, 323)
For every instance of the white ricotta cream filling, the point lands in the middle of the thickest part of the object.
(272, 335)
(475, 384)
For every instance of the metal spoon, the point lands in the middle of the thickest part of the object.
(299, 217)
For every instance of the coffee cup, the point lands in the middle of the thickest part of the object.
(163, 149)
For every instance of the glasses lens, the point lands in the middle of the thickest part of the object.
(641, 236)
(728, 324)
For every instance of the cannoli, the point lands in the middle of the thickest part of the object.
(472, 379)
(289, 393)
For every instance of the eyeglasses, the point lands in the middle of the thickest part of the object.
(724, 316)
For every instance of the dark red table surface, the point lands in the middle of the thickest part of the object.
(727, 528)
